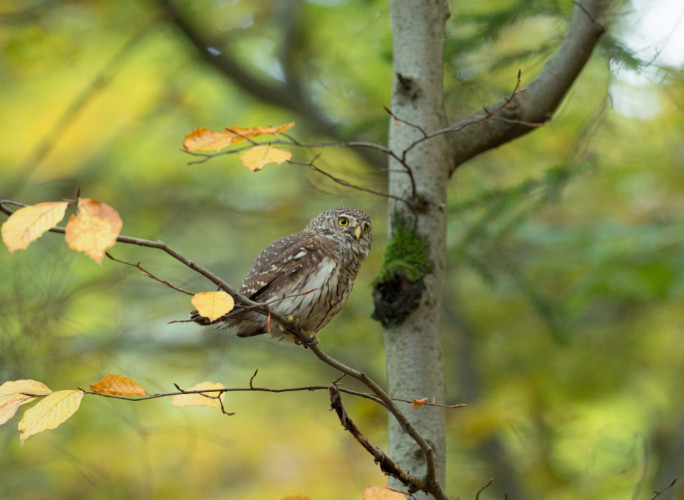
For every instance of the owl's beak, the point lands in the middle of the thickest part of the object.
(357, 232)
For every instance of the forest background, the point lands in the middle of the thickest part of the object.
(565, 287)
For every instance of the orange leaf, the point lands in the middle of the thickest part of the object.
(202, 139)
(29, 223)
(118, 386)
(213, 305)
(208, 398)
(15, 393)
(382, 493)
(255, 158)
(94, 229)
(49, 413)
(417, 403)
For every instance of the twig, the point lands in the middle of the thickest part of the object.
(657, 493)
(387, 465)
(148, 274)
(484, 487)
(348, 184)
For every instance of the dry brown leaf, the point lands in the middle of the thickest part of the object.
(93, 229)
(117, 385)
(203, 139)
(49, 413)
(29, 223)
(208, 398)
(255, 158)
(15, 393)
(382, 493)
(417, 403)
(213, 305)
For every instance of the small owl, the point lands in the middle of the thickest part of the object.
(307, 276)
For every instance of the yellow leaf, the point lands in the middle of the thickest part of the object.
(15, 393)
(94, 229)
(417, 403)
(255, 158)
(49, 413)
(208, 398)
(118, 386)
(202, 139)
(29, 223)
(382, 493)
(213, 305)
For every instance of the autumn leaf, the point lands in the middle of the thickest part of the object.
(417, 403)
(15, 393)
(49, 413)
(203, 139)
(213, 305)
(212, 398)
(29, 223)
(93, 229)
(382, 493)
(117, 385)
(255, 158)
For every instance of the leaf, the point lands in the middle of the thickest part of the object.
(417, 403)
(29, 223)
(210, 398)
(49, 413)
(117, 385)
(202, 139)
(255, 158)
(93, 229)
(382, 493)
(213, 305)
(15, 393)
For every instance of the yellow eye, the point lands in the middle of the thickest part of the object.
(343, 221)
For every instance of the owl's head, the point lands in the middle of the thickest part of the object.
(345, 224)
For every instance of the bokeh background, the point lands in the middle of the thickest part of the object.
(564, 315)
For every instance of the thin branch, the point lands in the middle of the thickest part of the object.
(484, 487)
(148, 274)
(387, 465)
(657, 493)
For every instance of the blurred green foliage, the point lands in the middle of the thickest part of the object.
(565, 286)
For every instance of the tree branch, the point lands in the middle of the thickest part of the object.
(538, 103)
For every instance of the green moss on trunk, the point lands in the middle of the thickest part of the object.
(399, 284)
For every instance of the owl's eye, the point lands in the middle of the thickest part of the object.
(343, 221)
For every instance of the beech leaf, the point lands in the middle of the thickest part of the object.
(29, 223)
(255, 158)
(213, 305)
(93, 229)
(15, 393)
(49, 413)
(203, 139)
(382, 493)
(417, 403)
(208, 398)
(117, 385)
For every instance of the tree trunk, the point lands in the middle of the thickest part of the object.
(408, 296)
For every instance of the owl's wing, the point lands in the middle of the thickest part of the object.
(284, 263)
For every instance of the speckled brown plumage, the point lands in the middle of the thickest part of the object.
(307, 275)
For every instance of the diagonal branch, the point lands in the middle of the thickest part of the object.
(539, 102)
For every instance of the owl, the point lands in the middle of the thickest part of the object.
(306, 276)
